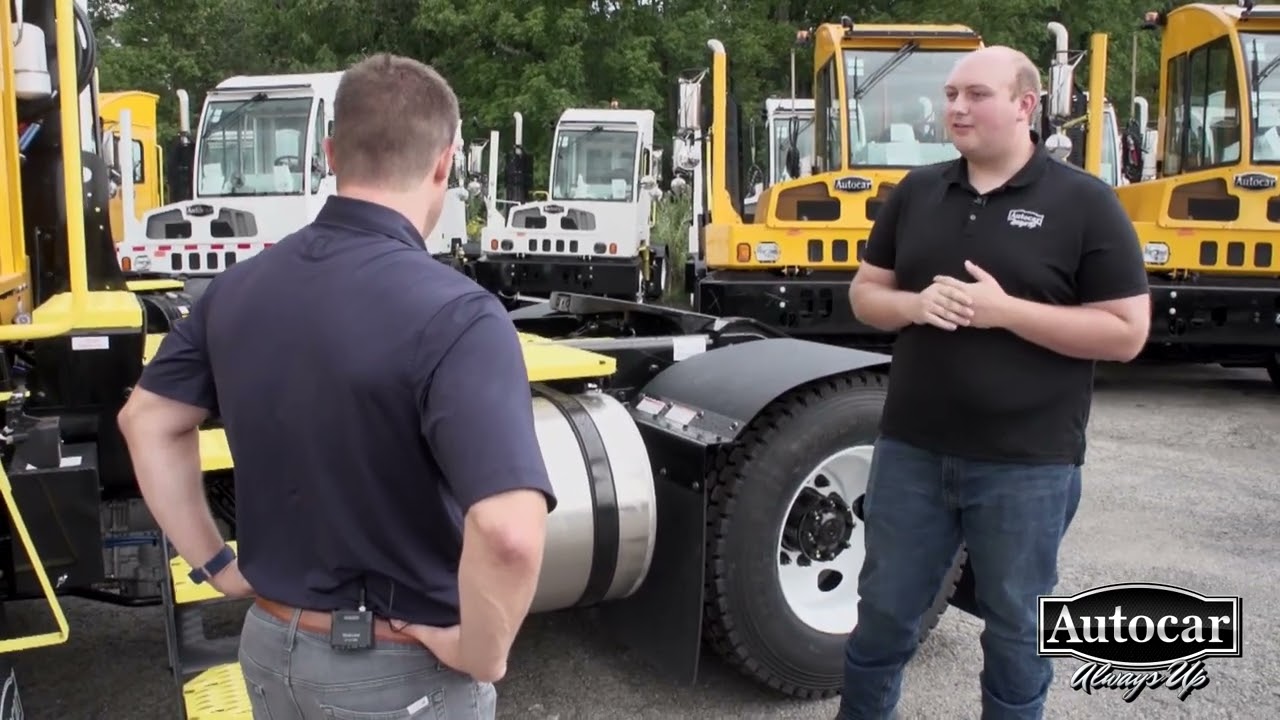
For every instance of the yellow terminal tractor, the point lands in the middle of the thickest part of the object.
(696, 506)
(144, 158)
(1208, 221)
(879, 104)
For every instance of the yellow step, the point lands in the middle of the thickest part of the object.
(186, 592)
(140, 286)
(215, 454)
(218, 692)
(150, 346)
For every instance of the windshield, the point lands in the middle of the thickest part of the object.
(594, 163)
(896, 106)
(782, 138)
(1262, 70)
(253, 148)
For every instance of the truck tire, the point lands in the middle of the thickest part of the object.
(10, 700)
(767, 518)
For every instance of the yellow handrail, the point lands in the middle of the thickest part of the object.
(29, 642)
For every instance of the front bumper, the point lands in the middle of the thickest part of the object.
(815, 305)
(1216, 318)
(541, 276)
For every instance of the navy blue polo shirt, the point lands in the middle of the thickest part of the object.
(370, 396)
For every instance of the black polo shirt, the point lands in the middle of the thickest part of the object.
(370, 395)
(1053, 234)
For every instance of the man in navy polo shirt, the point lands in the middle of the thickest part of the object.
(377, 406)
(1006, 274)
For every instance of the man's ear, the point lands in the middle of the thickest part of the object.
(1027, 104)
(444, 166)
(327, 144)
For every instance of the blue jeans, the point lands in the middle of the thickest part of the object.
(293, 674)
(918, 508)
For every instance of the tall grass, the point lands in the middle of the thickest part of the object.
(671, 228)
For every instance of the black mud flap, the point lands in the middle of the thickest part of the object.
(685, 414)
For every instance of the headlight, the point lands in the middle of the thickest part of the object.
(1155, 253)
(767, 252)
(142, 262)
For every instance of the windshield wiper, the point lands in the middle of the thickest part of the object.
(860, 91)
(232, 114)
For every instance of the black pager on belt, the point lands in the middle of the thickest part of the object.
(352, 629)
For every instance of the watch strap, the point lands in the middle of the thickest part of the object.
(216, 564)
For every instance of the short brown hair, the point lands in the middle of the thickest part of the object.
(1026, 78)
(393, 117)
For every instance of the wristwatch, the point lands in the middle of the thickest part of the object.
(214, 566)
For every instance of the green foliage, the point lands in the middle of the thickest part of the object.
(539, 57)
(671, 228)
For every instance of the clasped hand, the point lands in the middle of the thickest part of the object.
(950, 303)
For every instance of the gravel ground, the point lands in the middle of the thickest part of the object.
(1180, 488)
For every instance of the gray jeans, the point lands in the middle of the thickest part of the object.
(293, 674)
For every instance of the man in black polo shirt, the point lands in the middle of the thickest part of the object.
(377, 406)
(1006, 274)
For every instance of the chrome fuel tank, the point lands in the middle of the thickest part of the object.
(600, 537)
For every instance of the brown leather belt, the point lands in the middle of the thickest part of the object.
(320, 622)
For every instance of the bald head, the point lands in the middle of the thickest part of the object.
(992, 97)
(1002, 66)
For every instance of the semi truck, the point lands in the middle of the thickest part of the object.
(259, 173)
(1208, 217)
(141, 156)
(591, 233)
(696, 506)
(878, 108)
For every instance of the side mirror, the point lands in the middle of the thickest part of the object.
(460, 163)
(690, 110)
(475, 156)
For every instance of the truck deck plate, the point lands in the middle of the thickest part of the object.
(218, 692)
(548, 360)
(544, 360)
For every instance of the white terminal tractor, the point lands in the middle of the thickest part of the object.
(591, 232)
(259, 174)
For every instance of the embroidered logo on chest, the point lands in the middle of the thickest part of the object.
(1025, 219)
